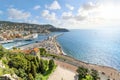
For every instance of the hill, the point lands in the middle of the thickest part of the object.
(33, 28)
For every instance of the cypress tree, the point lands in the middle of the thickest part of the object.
(30, 77)
(33, 70)
(51, 64)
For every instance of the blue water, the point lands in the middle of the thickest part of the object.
(100, 47)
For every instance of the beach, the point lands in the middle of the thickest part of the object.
(73, 64)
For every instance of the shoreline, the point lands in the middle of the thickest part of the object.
(110, 72)
(72, 64)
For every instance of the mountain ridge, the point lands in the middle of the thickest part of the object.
(34, 28)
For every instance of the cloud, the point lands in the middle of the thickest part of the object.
(100, 11)
(69, 7)
(18, 14)
(92, 15)
(67, 15)
(87, 10)
(49, 16)
(83, 12)
(84, 16)
(70, 16)
(36, 7)
(80, 18)
(1, 12)
(89, 5)
(54, 6)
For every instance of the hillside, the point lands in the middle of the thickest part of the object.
(33, 28)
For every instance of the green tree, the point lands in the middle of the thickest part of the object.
(37, 58)
(21, 73)
(18, 62)
(14, 48)
(94, 74)
(42, 51)
(88, 77)
(43, 66)
(28, 67)
(51, 64)
(30, 77)
(1, 54)
(82, 72)
(29, 57)
(36, 62)
(33, 70)
(1, 48)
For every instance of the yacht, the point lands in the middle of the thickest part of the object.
(34, 36)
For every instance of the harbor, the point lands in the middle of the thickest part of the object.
(25, 38)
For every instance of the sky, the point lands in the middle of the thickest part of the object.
(71, 14)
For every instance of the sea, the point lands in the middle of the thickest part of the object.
(100, 46)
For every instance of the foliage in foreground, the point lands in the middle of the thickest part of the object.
(26, 66)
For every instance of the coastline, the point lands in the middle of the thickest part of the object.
(110, 72)
(107, 71)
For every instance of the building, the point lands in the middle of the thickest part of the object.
(34, 51)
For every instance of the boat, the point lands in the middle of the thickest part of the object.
(34, 36)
